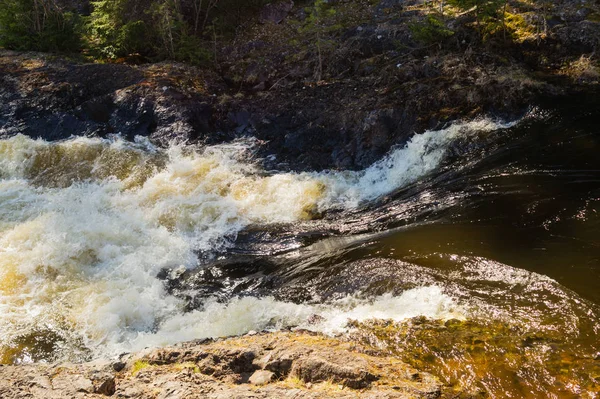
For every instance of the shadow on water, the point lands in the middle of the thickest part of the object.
(528, 197)
(509, 225)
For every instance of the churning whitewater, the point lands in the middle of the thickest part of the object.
(86, 225)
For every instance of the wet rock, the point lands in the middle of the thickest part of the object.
(315, 319)
(53, 99)
(241, 119)
(376, 86)
(377, 130)
(427, 343)
(98, 110)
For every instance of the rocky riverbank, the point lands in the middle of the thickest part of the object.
(265, 365)
(377, 72)
(382, 73)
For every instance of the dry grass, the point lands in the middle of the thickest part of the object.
(292, 382)
(583, 69)
(30, 64)
(186, 366)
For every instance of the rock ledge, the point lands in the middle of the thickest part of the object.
(268, 365)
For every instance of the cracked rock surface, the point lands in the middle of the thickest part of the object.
(267, 365)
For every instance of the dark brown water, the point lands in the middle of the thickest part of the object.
(510, 224)
(482, 247)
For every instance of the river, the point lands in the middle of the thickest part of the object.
(109, 246)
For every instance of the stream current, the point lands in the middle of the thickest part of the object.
(109, 246)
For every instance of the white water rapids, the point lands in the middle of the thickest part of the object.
(87, 224)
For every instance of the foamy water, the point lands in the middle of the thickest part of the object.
(241, 315)
(87, 224)
(421, 155)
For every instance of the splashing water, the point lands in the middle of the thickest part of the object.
(86, 225)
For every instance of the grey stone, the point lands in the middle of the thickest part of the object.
(261, 377)
(276, 12)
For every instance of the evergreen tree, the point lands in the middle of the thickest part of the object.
(315, 27)
(41, 25)
(114, 31)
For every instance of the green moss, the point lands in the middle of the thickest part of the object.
(138, 366)
(431, 30)
(593, 17)
(520, 30)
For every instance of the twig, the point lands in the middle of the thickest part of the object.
(276, 83)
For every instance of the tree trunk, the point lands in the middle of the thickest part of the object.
(504, 19)
(320, 69)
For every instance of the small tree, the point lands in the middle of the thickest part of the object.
(112, 33)
(157, 29)
(41, 25)
(177, 35)
(431, 30)
(315, 27)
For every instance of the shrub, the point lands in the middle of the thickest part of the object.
(431, 30)
(155, 29)
(315, 28)
(114, 32)
(489, 14)
(40, 25)
(231, 15)
(190, 49)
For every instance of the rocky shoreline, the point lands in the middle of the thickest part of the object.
(296, 364)
(376, 87)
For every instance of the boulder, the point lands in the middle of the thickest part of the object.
(261, 377)
(350, 373)
(276, 12)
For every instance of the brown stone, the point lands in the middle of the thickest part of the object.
(261, 377)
